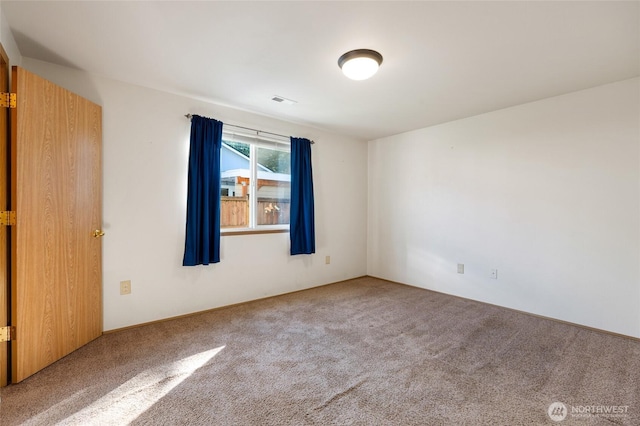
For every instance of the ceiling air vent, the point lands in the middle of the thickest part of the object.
(283, 100)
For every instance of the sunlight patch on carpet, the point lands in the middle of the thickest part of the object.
(129, 400)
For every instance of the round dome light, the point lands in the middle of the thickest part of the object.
(360, 64)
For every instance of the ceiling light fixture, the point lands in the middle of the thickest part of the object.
(360, 64)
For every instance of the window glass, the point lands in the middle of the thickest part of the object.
(274, 186)
(235, 180)
(255, 183)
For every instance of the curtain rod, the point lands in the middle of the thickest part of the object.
(250, 129)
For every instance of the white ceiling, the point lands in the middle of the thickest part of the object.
(442, 60)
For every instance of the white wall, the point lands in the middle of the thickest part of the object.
(145, 150)
(548, 193)
(8, 42)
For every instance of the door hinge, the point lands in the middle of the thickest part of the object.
(7, 333)
(7, 218)
(8, 100)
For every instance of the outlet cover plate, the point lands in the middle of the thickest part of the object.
(125, 287)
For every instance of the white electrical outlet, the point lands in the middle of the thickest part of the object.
(125, 287)
(327, 260)
(461, 268)
(494, 274)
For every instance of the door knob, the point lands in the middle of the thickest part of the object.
(98, 233)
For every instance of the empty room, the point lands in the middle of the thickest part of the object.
(320, 212)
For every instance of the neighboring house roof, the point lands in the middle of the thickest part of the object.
(235, 159)
(281, 177)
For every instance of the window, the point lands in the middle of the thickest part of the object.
(255, 181)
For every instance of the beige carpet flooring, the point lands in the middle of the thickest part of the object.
(360, 352)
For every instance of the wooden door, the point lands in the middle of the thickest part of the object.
(56, 192)
(4, 234)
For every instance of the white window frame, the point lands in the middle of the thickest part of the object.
(254, 139)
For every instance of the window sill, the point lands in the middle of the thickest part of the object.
(232, 232)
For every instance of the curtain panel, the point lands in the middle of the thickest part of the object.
(302, 222)
(202, 238)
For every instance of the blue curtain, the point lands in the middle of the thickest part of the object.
(202, 240)
(302, 225)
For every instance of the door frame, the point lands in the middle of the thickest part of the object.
(5, 281)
